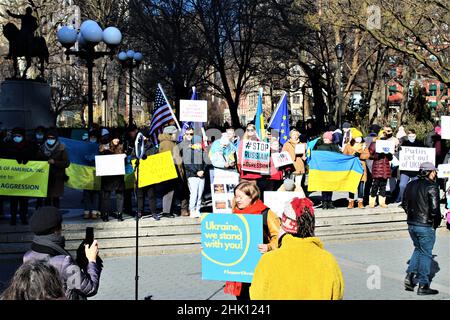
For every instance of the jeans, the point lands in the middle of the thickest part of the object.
(404, 180)
(91, 200)
(420, 263)
(327, 195)
(360, 192)
(378, 185)
(106, 202)
(196, 187)
(148, 192)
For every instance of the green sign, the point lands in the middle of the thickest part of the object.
(26, 180)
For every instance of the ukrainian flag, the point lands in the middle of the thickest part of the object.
(259, 118)
(332, 171)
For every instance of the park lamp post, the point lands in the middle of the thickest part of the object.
(339, 49)
(130, 60)
(89, 36)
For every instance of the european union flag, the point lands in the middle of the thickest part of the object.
(280, 119)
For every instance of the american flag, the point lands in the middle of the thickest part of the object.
(162, 115)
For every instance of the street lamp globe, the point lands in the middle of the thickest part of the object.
(91, 32)
(138, 57)
(130, 54)
(67, 36)
(339, 49)
(112, 36)
(122, 56)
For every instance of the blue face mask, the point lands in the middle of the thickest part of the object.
(51, 142)
(18, 139)
(39, 136)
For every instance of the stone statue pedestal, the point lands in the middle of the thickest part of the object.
(25, 103)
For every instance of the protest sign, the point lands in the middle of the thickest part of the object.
(411, 157)
(82, 177)
(26, 180)
(281, 159)
(444, 170)
(300, 148)
(223, 183)
(276, 200)
(194, 110)
(384, 146)
(230, 246)
(155, 169)
(445, 127)
(110, 165)
(256, 157)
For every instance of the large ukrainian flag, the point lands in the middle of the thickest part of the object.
(332, 171)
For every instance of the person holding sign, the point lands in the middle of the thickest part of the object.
(247, 201)
(381, 171)
(21, 150)
(111, 184)
(275, 179)
(55, 153)
(407, 176)
(297, 151)
(250, 134)
(300, 269)
(358, 148)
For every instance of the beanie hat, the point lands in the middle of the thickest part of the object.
(105, 132)
(224, 140)
(170, 130)
(292, 211)
(45, 220)
(356, 133)
(328, 135)
(289, 185)
(52, 132)
(18, 130)
(346, 125)
(438, 130)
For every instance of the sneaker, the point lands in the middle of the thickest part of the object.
(168, 215)
(195, 214)
(156, 216)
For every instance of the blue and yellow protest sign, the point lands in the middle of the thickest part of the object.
(332, 171)
(230, 246)
(256, 157)
(82, 177)
(155, 169)
(26, 180)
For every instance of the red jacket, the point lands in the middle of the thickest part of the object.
(381, 167)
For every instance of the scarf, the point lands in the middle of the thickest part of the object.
(48, 150)
(54, 242)
(256, 208)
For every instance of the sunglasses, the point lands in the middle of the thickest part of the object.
(250, 130)
(189, 134)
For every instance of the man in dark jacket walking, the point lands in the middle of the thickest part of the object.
(421, 204)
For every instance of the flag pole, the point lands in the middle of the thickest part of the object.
(170, 107)
(276, 110)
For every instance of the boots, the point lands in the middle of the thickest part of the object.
(95, 214)
(409, 284)
(372, 201)
(119, 216)
(105, 217)
(324, 205)
(330, 205)
(87, 214)
(360, 204)
(424, 289)
(351, 204)
(382, 201)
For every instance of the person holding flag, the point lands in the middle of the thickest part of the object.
(296, 150)
(259, 118)
(280, 120)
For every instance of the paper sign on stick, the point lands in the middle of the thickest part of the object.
(110, 165)
(194, 110)
(385, 146)
(412, 157)
(281, 159)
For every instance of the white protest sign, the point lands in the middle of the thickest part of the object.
(445, 127)
(300, 148)
(412, 157)
(281, 159)
(224, 176)
(256, 157)
(444, 170)
(194, 110)
(385, 146)
(110, 165)
(276, 200)
(223, 183)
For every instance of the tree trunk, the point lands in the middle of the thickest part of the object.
(405, 83)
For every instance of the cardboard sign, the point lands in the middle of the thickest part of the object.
(384, 146)
(300, 148)
(230, 246)
(194, 110)
(276, 200)
(256, 157)
(223, 183)
(444, 170)
(110, 165)
(281, 159)
(445, 127)
(155, 169)
(26, 180)
(411, 157)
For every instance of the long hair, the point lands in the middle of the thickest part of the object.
(250, 125)
(250, 189)
(35, 281)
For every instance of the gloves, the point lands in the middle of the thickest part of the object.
(24, 161)
(357, 154)
(389, 156)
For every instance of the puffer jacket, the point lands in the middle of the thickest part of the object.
(381, 168)
(421, 203)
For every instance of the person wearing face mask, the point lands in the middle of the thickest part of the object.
(55, 153)
(358, 148)
(19, 149)
(421, 204)
(407, 176)
(389, 135)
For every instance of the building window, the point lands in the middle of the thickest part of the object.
(392, 90)
(296, 99)
(432, 90)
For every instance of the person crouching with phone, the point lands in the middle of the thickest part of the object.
(48, 245)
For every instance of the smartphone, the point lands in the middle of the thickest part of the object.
(89, 239)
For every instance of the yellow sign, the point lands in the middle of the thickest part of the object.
(26, 180)
(82, 177)
(156, 169)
